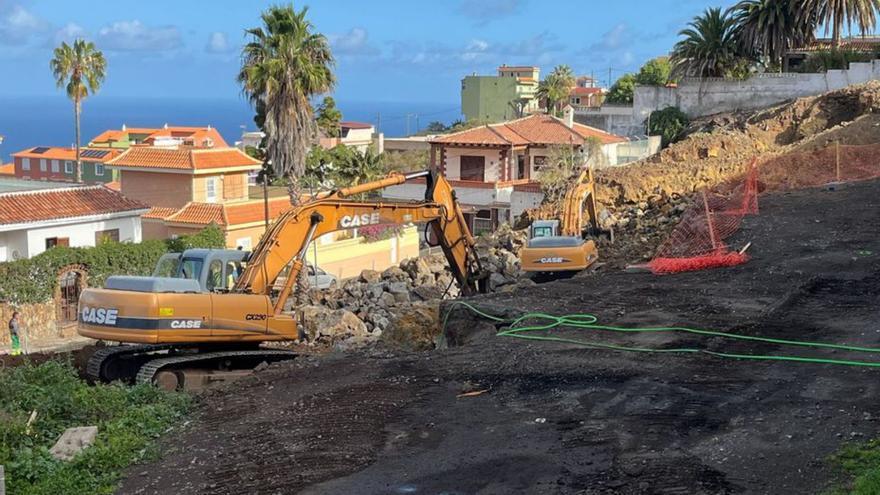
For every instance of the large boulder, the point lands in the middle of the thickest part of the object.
(323, 325)
(415, 327)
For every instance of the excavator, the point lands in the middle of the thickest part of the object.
(561, 246)
(179, 334)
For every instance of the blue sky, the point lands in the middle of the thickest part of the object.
(386, 50)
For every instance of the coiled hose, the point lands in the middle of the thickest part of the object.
(523, 327)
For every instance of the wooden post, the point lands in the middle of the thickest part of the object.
(837, 158)
(709, 222)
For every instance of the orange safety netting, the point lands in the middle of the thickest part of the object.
(697, 242)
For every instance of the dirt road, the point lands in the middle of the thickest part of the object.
(562, 419)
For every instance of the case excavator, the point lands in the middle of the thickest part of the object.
(183, 331)
(563, 245)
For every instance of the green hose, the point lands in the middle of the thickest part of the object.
(516, 328)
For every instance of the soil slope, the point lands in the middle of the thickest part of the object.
(561, 419)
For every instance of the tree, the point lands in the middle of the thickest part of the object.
(80, 68)
(283, 65)
(518, 105)
(836, 13)
(329, 117)
(769, 28)
(436, 126)
(556, 87)
(655, 72)
(563, 166)
(622, 90)
(668, 123)
(709, 48)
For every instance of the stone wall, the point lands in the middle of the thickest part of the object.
(701, 97)
(38, 323)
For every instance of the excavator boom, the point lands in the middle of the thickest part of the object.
(182, 325)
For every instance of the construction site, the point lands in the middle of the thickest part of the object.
(724, 340)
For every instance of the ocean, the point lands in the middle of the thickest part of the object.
(48, 121)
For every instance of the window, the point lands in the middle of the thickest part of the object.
(99, 169)
(482, 222)
(103, 236)
(57, 241)
(244, 243)
(56, 166)
(68, 167)
(234, 270)
(191, 268)
(215, 275)
(211, 190)
(43, 166)
(25, 163)
(472, 168)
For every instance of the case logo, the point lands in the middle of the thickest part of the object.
(98, 316)
(552, 259)
(186, 323)
(349, 221)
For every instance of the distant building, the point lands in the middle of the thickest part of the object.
(59, 164)
(35, 216)
(494, 167)
(795, 57)
(357, 135)
(197, 137)
(509, 94)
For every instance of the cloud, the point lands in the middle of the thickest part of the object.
(614, 39)
(218, 43)
(134, 36)
(18, 25)
(485, 11)
(69, 33)
(354, 42)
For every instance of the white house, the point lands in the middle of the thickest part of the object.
(33, 220)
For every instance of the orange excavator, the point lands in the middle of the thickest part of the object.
(188, 334)
(557, 246)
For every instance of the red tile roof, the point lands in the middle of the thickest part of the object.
(199, 213)
(7, 169)
(509, 68)
(114, 185)
(538, 129)
(579, 91)
(59, 153)
(205, 137)
(71, 202)
(183, 158)
(355, 125)
(224, 214)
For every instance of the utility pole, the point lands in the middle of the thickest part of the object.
(609, 77)
(378, 122)
(417, 124)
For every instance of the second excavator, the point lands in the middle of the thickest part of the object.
(188, 334)
(563, 245)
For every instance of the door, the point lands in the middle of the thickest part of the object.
(473, 168)
(70, 286)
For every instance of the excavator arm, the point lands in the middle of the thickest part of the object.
(581, 196)
(287, 240)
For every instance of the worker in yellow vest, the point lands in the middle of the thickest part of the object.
(14, 330)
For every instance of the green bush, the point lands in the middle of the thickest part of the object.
(129, 419)
(825, 60)
(34, 280)
(669, 123)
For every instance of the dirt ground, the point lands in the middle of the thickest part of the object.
(562, 419)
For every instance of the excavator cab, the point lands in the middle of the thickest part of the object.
(544, 228)
(214, 269)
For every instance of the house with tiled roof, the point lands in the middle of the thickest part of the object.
(494, 167)
(33, 219)
(56, 163)
(169, 136)
(357, 135)
(189, 188)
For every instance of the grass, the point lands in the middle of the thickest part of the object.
(129, 419)
(862, 462)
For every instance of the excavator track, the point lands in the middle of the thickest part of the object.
(180, 363)
(109, 364)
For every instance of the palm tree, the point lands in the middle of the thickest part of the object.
(836, 13)
(709, 47)
(556, 86)
(772, 27)
(282, 67)
(81, 69)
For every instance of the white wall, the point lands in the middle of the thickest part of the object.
(493, 161)
(523, 200)
(31, 242)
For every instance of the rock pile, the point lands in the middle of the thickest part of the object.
(402, 302)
